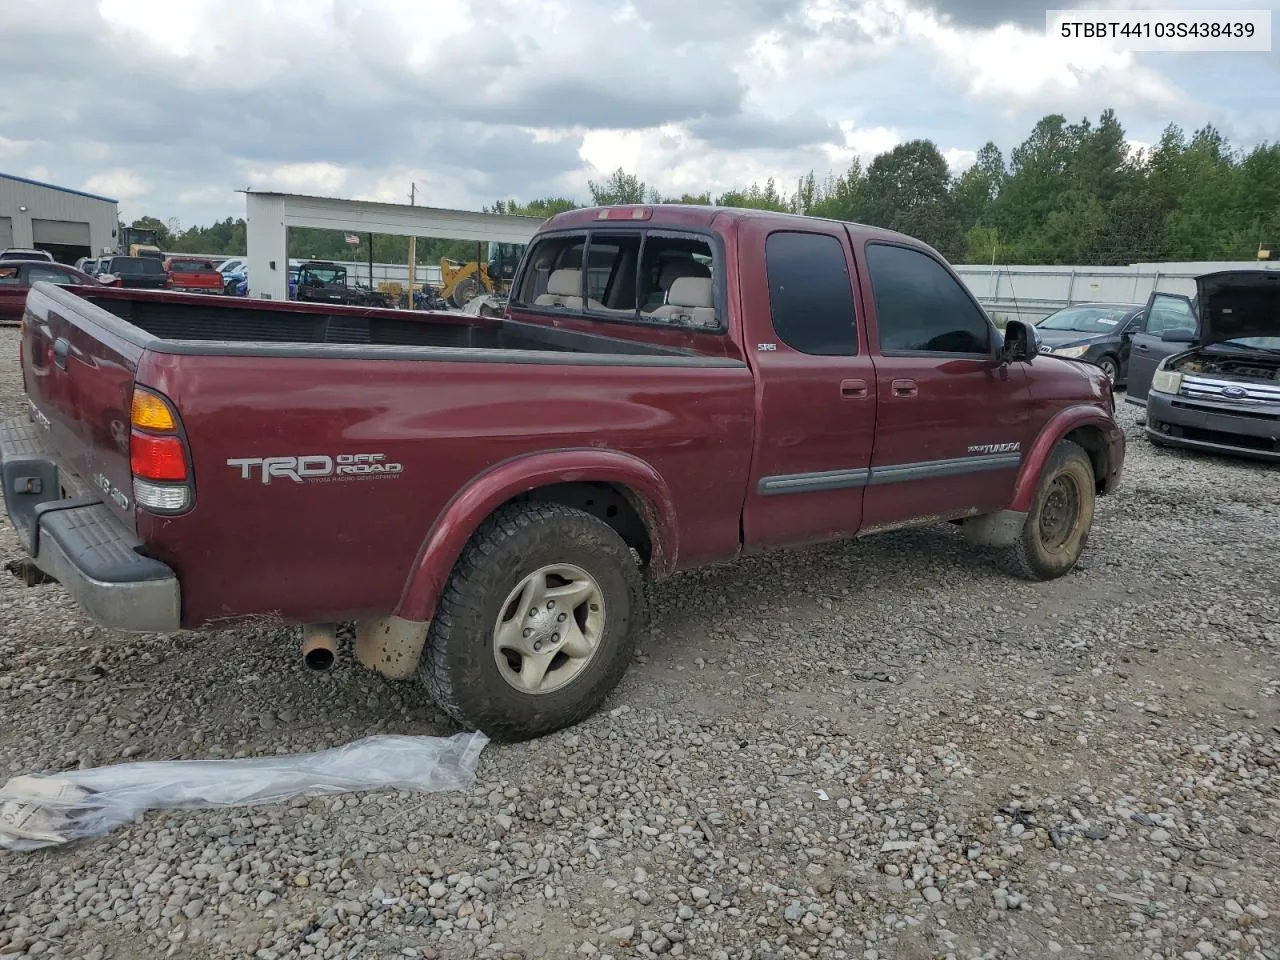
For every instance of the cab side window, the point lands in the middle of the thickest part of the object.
(920, 307)
(810, 294)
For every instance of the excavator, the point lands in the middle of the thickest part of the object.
(491, 272)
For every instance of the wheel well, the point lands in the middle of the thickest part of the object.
(612, 504)
(1094, 444)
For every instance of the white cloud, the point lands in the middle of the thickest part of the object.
(119, 183)
(318, 178)
(958, 161)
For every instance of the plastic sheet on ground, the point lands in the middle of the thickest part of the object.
(39, 811)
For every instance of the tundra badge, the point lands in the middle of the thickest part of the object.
(995, 447)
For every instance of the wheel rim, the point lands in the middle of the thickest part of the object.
(549, 628)
(1060, 512)
(1109, 368)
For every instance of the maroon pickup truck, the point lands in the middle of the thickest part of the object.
(670, 387)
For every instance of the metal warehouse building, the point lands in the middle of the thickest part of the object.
(68, 223)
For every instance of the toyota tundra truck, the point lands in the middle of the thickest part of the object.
(668, 387)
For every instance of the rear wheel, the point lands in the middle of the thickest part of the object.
(1057, 526)
(535, 625)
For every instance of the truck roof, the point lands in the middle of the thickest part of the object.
(704, 216)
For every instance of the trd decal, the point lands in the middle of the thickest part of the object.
(317, 467)
(995, 447)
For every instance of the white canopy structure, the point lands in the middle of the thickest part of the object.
(268, 217)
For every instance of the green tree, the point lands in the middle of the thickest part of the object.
(978, 187)
(619, 187)
(908, 189)
(756, 197)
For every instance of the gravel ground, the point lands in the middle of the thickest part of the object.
(880, 749)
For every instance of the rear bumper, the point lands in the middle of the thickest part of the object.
(79, 542)
(1217, 428)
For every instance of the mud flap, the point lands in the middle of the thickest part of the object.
(390, 645)
(999, 529)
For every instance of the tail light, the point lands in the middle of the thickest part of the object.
(158, 455)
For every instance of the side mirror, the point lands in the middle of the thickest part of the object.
(1178, 335)
(1021, 342)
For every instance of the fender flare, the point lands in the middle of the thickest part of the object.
(488, 490)
(1058, 426)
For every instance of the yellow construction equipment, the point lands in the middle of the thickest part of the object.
(460, 283)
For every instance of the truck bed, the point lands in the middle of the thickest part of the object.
(229, 326)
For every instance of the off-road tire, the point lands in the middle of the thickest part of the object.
(1030, 555)
(458, 666)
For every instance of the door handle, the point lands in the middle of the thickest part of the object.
(1141, 346)
(905, 388)
(61, 347)
(853, 389)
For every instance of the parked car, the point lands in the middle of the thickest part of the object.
(17, 277)
(235, 273)
(1208, 369)
(484, 495)
(87, 265)
(1097, 332)
(24, 253)
(193, 275)
(143, 273)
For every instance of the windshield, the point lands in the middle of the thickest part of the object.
(324, 276)
(1269, 344)
(1085, 319)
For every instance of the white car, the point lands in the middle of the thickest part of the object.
(19, 253)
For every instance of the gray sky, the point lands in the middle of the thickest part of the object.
(171, 107)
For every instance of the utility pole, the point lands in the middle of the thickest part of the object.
(413, 246)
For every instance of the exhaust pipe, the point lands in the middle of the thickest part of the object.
(319, 645)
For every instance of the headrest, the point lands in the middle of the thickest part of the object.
(565, 283)
(672, 270)
(690, 292)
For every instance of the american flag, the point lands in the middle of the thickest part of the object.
(352, 238)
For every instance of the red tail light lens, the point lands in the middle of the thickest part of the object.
(157, 458)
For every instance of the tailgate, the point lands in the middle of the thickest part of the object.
(78, 374)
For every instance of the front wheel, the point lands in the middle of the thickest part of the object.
(1110, 368)
(1057, 526)
(535, 625)
(466, 291)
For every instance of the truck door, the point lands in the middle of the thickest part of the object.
(1166, 314)
(815, 396)
(952, 420)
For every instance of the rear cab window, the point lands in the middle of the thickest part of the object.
(191, 266)
(137, 265)
(657, 276)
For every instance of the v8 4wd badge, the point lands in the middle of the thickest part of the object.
(316, 467)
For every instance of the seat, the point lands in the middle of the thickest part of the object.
(672, 270)
(564, 289)
(691, 300)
